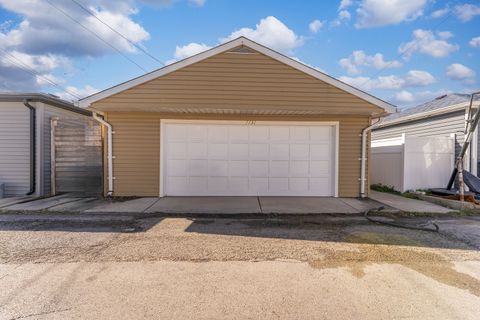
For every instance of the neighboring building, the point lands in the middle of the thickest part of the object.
(25, 140)
(237, 120)
(428, 127)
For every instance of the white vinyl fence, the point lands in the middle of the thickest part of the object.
(410, 163)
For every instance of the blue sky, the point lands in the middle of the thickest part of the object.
(403, 51)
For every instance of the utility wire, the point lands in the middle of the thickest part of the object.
(96, 35)
(117, 32)
(16, 61)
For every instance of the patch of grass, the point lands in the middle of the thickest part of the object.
(384, 188)
(390, 189)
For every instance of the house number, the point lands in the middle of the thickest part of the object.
(250, 122)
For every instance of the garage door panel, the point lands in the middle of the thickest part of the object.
(278, 186)
(278, 169)
(198, 168)
(197, 150)
(279, 133)
(299, 168)
(176, 150)
(239, 168)
(279, 151)
(218, 151)
(241, 160)
(259, 168)
(300, 133)
(218, 133)
(197, 133)
(321, 133)
(320, 168)
(238, 151)
(259, 151)
(218, 168)
(238, 134)
(300, 151)
(299, 185)
(320, 151)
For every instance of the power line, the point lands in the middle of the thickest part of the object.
(32, 71)
(117, 32)
(96, 35)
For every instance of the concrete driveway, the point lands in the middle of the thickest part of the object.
(339, 267)
(227, 205)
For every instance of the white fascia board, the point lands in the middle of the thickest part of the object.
(423, 115)
(388, 108)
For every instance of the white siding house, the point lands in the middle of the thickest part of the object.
(25, 124)
(416, 148)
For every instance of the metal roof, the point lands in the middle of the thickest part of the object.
(43, 97)
(440, 105)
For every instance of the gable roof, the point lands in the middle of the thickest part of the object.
(440, 105)
(241, 41)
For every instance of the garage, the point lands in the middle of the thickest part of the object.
(236, 120)
(235, 158)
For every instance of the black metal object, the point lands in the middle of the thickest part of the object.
(471, 125)
(472, 181)
(33, 144)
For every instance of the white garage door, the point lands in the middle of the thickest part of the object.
(248, 159)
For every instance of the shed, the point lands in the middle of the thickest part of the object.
(26, 143)
(237, 120)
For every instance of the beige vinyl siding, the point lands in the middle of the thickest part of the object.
(136, 147)
(238, 83)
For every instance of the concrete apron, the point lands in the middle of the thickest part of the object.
(237, 205)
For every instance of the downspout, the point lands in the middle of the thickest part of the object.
(363, 168)
(109, 152)
(33, 145)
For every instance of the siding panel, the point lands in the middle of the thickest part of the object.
(237, 81)
(14, 148)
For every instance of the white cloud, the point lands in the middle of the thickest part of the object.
(315, 26)
(189, 50)
(413, 78)
(424, 41)
(270, 32)
(466, 12)
(376, 13)
(445, 34)
(475, 42)
(457, 71)
(418, 78)
(39, 33)
(46, 40)
(198, 3)
(344, 4)
(343, 17)
(359, 59)
(407, 99)
(439, 13)
(79, 92)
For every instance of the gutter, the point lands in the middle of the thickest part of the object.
(109, 152)
(33, 145)
(363, 159)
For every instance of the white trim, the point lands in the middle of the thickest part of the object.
(335, 124)
(86, 102)
(337, 155)
(161, 186)
(422, 115)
